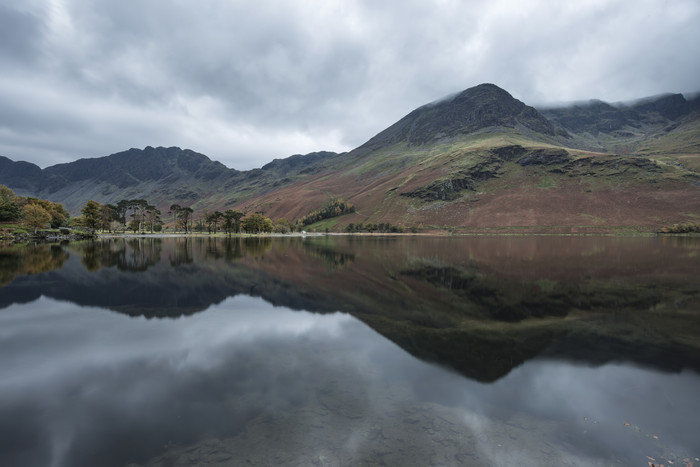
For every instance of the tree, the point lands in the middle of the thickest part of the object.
(229, 222)
(134, 225)
(199, 225)
(257, 223)
(217, 217)
(185, 216)
(283, 226)
(121, 208)
(35, 216)
(174, 211)
(182, 215)
(237, 216)
(138, 209)
(110, 217)
(9, 209)
(213, 218)
(92, 215)
(204, 219)
(58, 213)
(152, 217)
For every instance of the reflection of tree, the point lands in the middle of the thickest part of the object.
(330, 256)
(139, 255)
(91, 256)
(211, 249)
(182, 253)
(127, 255)
(21, 260)
(232, 248)
(257, 246)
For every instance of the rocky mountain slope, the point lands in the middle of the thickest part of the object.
(479, 160)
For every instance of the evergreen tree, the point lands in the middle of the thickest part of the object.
(92, 215)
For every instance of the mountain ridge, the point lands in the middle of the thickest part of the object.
(455, 161)
(159, 174)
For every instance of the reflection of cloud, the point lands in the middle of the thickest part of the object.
(269, 381)
(118, 339)
(506, 444)
(136, 377)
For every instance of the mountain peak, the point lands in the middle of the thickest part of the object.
(471, 110)
(484, 90)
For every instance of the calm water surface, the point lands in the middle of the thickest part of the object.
(351, 351)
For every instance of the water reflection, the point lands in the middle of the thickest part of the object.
(564, 341)
(248, 382)
(479, 305)
(133, 255)
(29, 259)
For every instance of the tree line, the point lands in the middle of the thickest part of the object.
(128, 214)
(33, 212)
(370, 227)
(140, 216)
(334, 208)
(681, 228)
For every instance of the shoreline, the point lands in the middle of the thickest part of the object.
(51, 237)
(405, 234)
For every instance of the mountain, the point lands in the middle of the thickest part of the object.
(161, 175)
(482, 161)
(20, 175)
(476, 161)
(476, 109)
(628, 127)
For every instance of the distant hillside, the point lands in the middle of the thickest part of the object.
(479, 160)
(627, 127)
(20, 176)
(161, 175)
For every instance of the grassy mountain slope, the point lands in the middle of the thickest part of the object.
(506, 168)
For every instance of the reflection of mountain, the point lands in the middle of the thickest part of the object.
(480, 305)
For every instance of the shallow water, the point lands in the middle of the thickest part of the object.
(351, 351)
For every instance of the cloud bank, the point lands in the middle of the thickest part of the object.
(248, 82)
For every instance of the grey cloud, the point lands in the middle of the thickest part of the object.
(18, 33)
(245, 83)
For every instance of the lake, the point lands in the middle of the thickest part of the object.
(345, 350)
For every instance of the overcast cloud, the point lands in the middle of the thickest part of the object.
(247, 82)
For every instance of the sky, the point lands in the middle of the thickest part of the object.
(246, 82)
